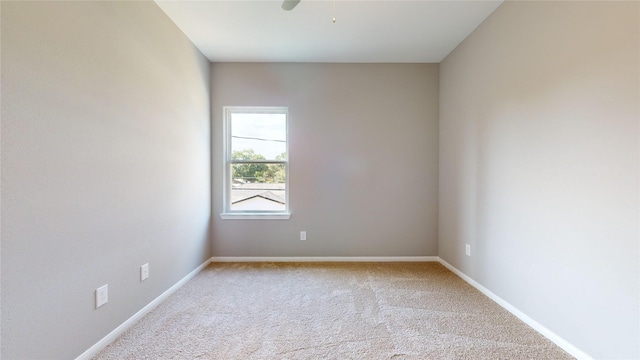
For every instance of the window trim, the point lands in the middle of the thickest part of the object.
(227, 213)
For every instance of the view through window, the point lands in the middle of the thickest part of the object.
(256, 159)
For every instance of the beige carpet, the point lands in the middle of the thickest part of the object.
(330, 311)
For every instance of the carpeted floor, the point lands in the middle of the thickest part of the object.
(329, 311)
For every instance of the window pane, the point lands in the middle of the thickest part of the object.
(258, 187)
(258, 136)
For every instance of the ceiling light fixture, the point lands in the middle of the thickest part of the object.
(288, 5)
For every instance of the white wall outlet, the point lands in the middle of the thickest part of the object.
(144, 272)
(467, 249)
(303, 235)
(102, 295)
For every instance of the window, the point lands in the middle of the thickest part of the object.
(256, 163)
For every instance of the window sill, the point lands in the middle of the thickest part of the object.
(255, 216)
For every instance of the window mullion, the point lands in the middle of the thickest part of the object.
(232, 161)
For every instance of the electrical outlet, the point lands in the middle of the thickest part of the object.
(102, 295)
(144, 272)
(303, 235)
(467, 249)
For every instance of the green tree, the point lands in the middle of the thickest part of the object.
(264, 173)
(247, 172)
(275, 173)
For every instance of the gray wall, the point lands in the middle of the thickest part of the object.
(363, 158)
(105, 166)
(539, 143)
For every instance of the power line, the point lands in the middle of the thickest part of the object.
(254, 138)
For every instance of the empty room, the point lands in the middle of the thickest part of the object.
(317, 179)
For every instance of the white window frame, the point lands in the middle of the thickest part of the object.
(227, 161)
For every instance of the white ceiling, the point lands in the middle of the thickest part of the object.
(365, 31)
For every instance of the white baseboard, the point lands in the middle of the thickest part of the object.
(324, 259)
(555, 338)
(92, 351)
